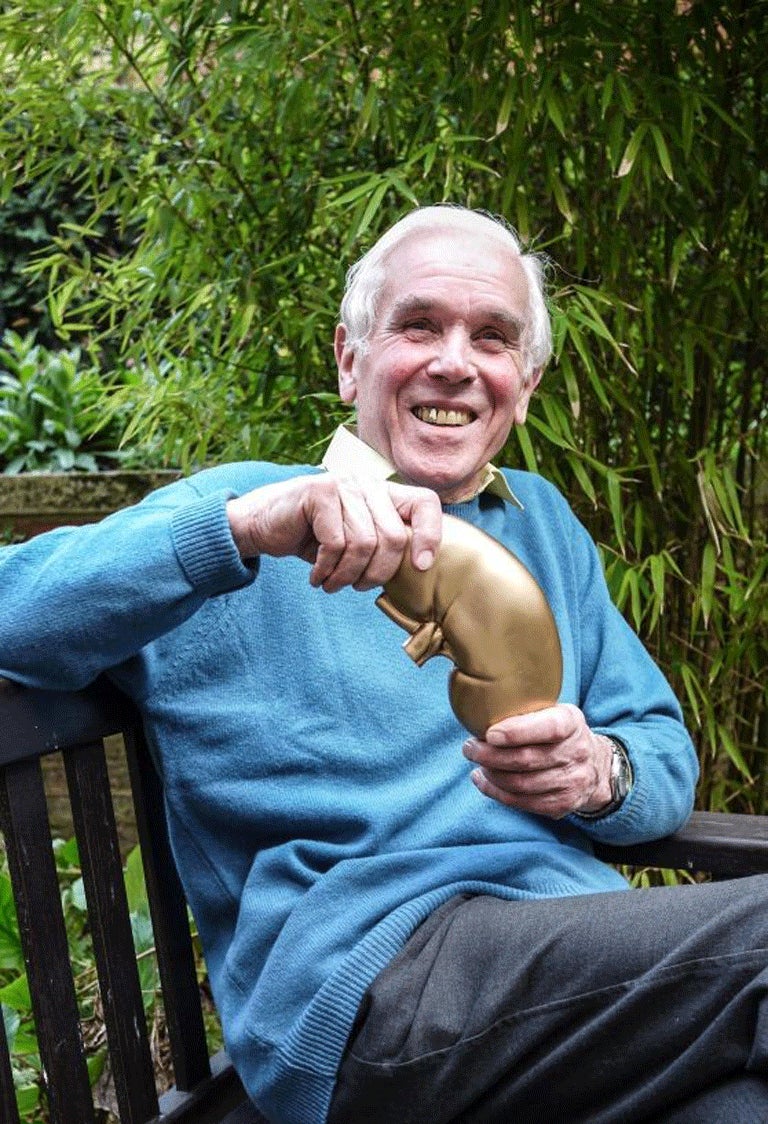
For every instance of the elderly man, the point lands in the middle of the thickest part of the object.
(402, 923)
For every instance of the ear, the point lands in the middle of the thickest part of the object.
(345, 362)
(526, 394)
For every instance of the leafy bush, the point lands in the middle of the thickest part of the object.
(51, 410)
(31, 214)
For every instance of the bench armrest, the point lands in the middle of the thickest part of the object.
(726, 845)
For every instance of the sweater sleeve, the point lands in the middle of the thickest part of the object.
(623, 693)
(79, 600)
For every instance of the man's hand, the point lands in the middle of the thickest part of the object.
(548, 762)
(353, 531)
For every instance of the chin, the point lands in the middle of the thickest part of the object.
(446, 484)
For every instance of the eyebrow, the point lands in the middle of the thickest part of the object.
(501, 317)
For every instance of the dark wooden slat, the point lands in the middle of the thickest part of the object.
(96, 833)
(170, 923)
(725, 845)
(221, 1100)
(36, 722)
(44, 940)
(8, 1111)
(245, 1114)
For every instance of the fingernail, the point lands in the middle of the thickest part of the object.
(495, 737)
(425, 560)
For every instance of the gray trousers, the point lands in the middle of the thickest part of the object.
(648, 1005)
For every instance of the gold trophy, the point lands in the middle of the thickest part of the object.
(479, 606)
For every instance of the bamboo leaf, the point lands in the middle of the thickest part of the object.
(658, 579)
(693, 691)
(571, 385)
(613, 485)
(547, 431)
(729, 120)
(372, 207)
(554, 110)
(662, 152)
(368, 117)
(687, 111)
(505, 109)
(574, 334)
(606, 96)
(524, 441)
(708, 502)
(561, 199)
(708, 571)
(360, 191)
(579, 471)
(630, 152)
(725, 738)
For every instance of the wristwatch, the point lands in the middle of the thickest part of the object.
(621, 781)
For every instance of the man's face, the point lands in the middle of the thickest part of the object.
(442, 380)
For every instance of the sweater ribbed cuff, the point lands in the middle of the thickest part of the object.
(205, 547)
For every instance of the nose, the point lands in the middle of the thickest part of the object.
(452, 360)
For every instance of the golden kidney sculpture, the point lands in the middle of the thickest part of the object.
(479, 606)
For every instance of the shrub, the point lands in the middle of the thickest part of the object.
(51, 410)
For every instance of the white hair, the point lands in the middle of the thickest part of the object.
(366, 278)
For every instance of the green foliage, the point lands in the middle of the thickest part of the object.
(50, 410)
(30, 216)
(242, 152)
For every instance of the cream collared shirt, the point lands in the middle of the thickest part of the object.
(347, 455)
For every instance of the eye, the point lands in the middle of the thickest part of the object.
(419, 328)
(492, 338)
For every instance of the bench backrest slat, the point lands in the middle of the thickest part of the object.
(24, 821)
(99, 850)
(170, 922)
(36, 722)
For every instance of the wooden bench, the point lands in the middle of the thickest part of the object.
(34, 723)
(207, 1090)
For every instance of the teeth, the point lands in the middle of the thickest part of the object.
(434, 416)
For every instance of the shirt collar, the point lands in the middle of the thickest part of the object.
(348, 455)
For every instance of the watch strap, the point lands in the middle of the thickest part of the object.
(621, 781)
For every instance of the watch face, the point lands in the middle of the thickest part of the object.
(621, 776)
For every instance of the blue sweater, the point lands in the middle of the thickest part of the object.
(318, 801)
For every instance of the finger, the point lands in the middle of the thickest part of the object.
(343, 560)
(549, 726)
(553, 802)
(420, 507)
(325, 542)
(539, 782)
(392, 536)
(375, 519)
(521, 758)
(509, 759)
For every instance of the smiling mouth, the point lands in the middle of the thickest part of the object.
(433, 416)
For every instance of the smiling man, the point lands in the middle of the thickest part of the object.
(401, 923)
(445, 371)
